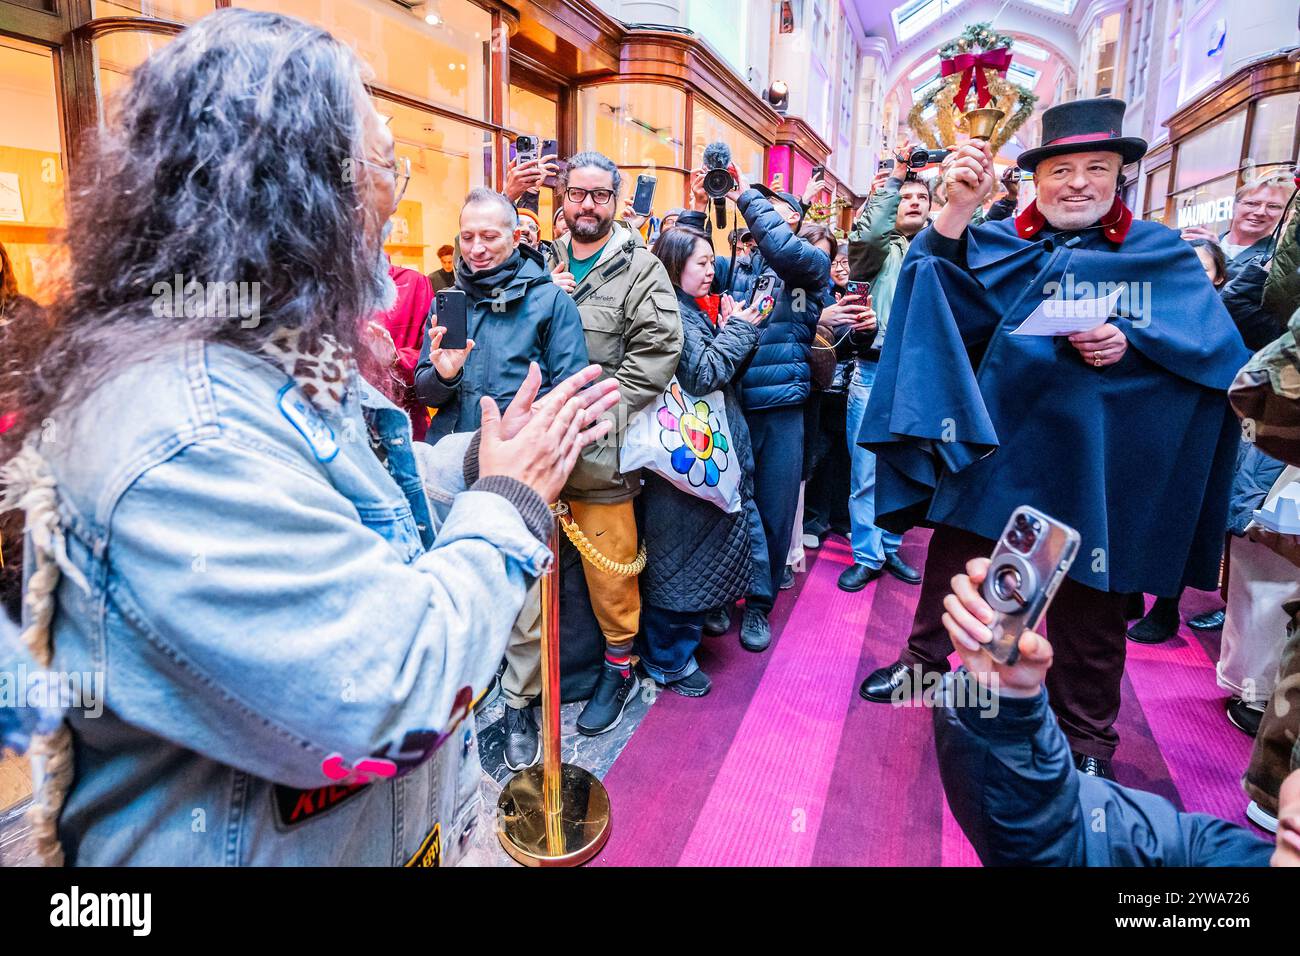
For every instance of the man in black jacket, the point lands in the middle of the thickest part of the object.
(516, 316)
(776, 384)
(1014, 790)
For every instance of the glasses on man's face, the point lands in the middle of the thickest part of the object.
(1254, 205)
(400, 169)
(578, 195)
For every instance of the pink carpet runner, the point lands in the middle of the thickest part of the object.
(783, 764)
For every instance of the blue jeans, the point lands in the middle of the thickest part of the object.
(870, 544)
(671, 638)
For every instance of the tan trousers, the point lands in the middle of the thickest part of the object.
(615, 599)
(521, 684)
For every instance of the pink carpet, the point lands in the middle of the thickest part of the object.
(783, 764)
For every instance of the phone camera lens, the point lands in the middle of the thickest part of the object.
(1014, 538)
(1030, 539)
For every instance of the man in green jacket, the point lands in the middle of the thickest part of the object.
(879, 240)
(634, 332)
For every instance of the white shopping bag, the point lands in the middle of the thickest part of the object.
(687, 441)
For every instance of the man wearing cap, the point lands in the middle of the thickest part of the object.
(1121, 430)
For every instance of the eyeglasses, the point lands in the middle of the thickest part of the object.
(601, 197)
(1251, 205)
(401, 170)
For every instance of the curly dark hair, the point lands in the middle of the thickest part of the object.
(229, 159)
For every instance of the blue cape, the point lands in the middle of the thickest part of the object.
(968, 421)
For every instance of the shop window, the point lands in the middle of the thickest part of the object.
(1211, 152)
(180, 11)
(537, 115)
(747, 153)
(443, 57)
(1272, 137)
(116, 55)
(31, 168)
(1157, 191)
(447, 159)
(635, 124)
(1107, 55)
(1208, 205)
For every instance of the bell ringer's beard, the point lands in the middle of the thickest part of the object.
(584, 230)
(1074, 215)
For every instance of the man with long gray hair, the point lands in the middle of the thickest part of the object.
(226, 521)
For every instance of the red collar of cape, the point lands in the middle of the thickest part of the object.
(1114, 225)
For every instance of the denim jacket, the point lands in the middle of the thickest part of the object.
(288, 631)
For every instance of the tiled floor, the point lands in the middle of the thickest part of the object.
(596, 754)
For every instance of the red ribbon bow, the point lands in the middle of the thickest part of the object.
(972, 67)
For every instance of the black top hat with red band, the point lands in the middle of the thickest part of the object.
(1085, 126)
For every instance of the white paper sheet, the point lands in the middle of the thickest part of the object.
(1067, 316)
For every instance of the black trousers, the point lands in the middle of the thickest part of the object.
(1086, 627)
(777, 437)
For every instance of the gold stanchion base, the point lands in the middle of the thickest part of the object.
(582, 829)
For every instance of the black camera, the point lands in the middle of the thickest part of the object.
(718, 180)
(920, 157)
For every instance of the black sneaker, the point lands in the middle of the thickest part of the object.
(523, 743)
(693, 685)
(787, 578)
(608, 701)
(1244, 717)
(755, 633)
(717, 622)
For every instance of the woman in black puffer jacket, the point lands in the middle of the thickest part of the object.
(697, 555)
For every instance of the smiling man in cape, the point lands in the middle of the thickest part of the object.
(1122, 431)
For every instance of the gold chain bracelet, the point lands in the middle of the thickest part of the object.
(595, 558)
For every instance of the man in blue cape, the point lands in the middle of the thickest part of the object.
(1122, 431)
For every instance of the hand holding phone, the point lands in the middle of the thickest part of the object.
(1027, 566)
(966, 619)
(450, 313)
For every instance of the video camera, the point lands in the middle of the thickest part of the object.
(718, 180)
(920, 157)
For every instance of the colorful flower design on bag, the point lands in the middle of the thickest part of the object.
(691, 434)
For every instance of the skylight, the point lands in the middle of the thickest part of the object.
(1026, 75)
(1056, 6)
(913, 17)
(1029, 50)
(929, 66)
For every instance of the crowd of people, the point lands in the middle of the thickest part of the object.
(303, 548)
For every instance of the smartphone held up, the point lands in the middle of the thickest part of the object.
(1028, 564)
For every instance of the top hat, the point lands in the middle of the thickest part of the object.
(1084, 126)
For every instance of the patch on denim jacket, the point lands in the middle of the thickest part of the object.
(430, 851)
(303, 416)
(295, 807)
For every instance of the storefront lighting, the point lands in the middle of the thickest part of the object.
(434, 20)
(778, 94)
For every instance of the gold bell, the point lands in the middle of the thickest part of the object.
(982, 123)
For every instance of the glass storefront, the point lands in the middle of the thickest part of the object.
(1211, 152)
(443, 57)
(180, 11)
(116, 55)
(537, 115)
(1272, 136)
(448, 159)
(31, 167)
(1156, 194)
(640, 127)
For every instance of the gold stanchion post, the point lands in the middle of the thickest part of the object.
(553, 813)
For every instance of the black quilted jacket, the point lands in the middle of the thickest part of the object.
(697, 555)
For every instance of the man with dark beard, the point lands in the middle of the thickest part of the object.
(634, 332)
